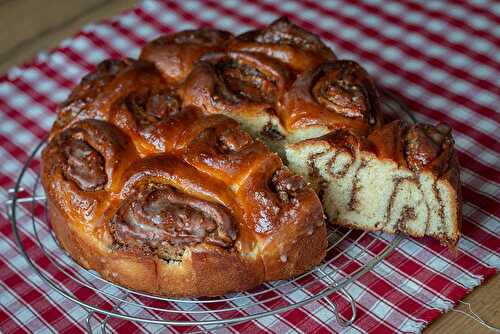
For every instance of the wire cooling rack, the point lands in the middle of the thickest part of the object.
(350, 255)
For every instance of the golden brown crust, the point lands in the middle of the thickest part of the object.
(88, 97)
(141, 113)
(237, 83)
(226, 152)
(334, 95)
(419, 147)
(283, 84)
(451, 179)
(213, 167)
(98, 91)
(175, 54)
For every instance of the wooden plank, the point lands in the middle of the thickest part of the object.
(34, 18)
(30, 26)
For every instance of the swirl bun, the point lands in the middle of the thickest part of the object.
(98, 91)
(141, 113)
(209, 211)
(330, 96)
(283, 40)
(159, 172)
(84, 97)
(159, 218)
(176, 54)
(245, 86)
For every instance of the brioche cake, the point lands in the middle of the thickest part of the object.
(160, 172)
(287, 88)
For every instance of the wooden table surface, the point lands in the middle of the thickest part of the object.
(45, 23)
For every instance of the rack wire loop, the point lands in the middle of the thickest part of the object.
(340, 320)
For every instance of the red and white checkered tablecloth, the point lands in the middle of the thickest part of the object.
(442, 57)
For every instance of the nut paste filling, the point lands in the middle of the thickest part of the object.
(159, 218)
(341, 88)
(84, 165)
(151, 105)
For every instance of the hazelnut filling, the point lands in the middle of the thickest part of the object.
(284, 32)
(424, 143)
(150, 106)
(89, 88)
(160, 219)
(245, 82)
(84, 165)
(340, 89)
(287, 185)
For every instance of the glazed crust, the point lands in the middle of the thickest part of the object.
(101, 89)
(285, 79)
(175, 54)
(279, 232)
(391, 142)
(237, 83)
(333, 95)
(283, 40)
(135, 131)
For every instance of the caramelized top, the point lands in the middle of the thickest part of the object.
(84, 96)
(244, 76)
(151, 105)
(333, 95)
(93, 83)
(246, 82)
(282, 31)
(85, 166)
(341, 90)
(176, 54)
(425, 143)
(205, 37)
(283, 40)
(287, 186)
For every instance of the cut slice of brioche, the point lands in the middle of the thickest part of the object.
(366, 183)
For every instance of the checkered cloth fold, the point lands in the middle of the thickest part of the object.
(442, 57)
